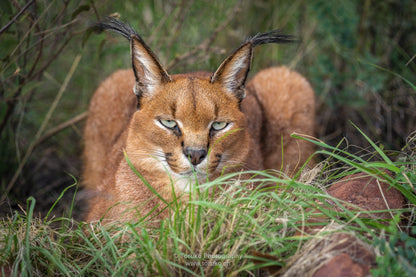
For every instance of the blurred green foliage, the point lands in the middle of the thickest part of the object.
(398, 254)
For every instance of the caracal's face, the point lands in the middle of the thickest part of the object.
(188, 128)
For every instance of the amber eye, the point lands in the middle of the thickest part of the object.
(219, 125)
(170, 124)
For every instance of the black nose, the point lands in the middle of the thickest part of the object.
(195, 155)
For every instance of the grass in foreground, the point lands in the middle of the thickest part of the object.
(220, 235)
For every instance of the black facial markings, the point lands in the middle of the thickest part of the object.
(177, 131)
(216, 110)
(217, 160)
(168, 157)
(215, 163)
(192, 89)
(213, 167)
(171, 161)
(212, 133)
(173, 109)
(173, 167)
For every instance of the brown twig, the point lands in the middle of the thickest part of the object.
(39, 55)
(61, 127)
(5, 27)
(97, 15)
(411, 59)
(52, 58)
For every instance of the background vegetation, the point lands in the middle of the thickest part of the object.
(358, 55)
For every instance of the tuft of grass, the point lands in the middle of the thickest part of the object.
(225, 228)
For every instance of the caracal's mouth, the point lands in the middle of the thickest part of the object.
(192, 173)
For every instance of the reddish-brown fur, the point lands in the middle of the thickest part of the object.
(277, 103)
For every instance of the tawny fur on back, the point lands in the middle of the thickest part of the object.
(288, 106)
(175, 128)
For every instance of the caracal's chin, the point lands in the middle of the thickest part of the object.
(191, 179)
(187, 184)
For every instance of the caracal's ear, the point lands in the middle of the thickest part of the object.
(233, 71)
(147, 69)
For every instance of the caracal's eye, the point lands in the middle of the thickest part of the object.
(170, 124)
(219, 125)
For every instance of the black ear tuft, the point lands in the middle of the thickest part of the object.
(274, 36)
(148, 71)
(115, 25)
(232, 73)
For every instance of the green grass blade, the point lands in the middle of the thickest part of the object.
(379, 151)
(58, 199)
(27, 264)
